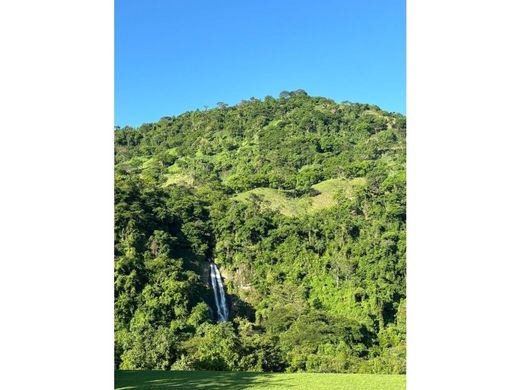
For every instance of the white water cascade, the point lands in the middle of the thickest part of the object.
(218, 293)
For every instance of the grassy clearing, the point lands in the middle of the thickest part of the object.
(329, 188)
(180, 179)
(141, 380)
(277, 200)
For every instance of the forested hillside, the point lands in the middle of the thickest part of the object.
(300, 201)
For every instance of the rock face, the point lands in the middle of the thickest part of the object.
(241, 294)
(238, 283)
(239, 278)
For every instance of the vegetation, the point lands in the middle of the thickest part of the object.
(165, 380)
(300, 201)
(323, 196)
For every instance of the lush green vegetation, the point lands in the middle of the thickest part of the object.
(300, 201)
(144, 380)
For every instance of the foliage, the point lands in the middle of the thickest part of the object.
(301, 203)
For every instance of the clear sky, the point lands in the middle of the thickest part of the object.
(172, 56)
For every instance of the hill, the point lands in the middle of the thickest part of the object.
(300, 201)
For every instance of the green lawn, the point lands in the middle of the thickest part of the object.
(141, 380)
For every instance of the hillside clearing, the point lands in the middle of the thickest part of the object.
(277, 200)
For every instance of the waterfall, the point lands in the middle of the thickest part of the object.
(218, 293)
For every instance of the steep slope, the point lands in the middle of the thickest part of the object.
(301, 203)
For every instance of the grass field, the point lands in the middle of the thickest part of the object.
(278, 201)
(141, 380)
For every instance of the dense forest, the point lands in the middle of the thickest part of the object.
(300, 201)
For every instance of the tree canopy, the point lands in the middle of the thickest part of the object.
(301, 203)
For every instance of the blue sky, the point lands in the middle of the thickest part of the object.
(172, 56)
